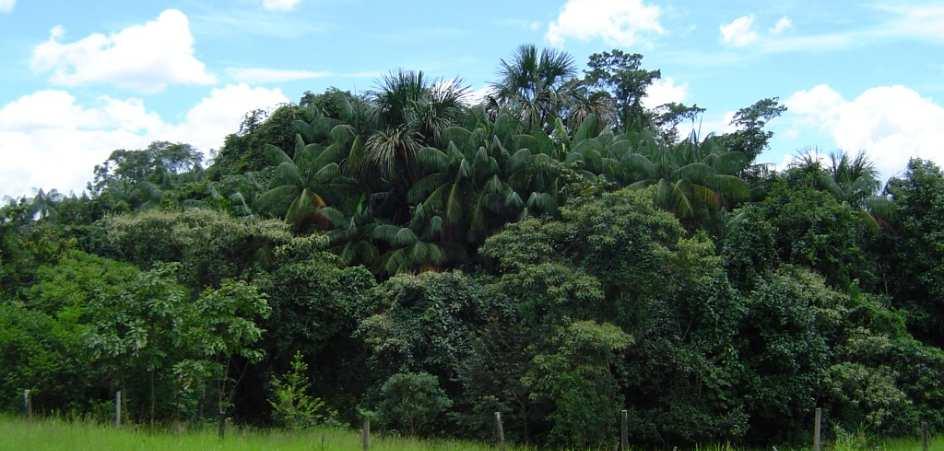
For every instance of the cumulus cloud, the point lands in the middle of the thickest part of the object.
(146, 57)
(220, 113)
(739, 32)
(782, 25)
(48, 139)
(890, 123)
(616, 22)
(280, 5)
(6, 6)
(663, 91)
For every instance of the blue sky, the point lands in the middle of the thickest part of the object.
(80, 80)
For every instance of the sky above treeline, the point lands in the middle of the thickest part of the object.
(80, 79)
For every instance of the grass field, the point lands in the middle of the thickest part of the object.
(57, 435)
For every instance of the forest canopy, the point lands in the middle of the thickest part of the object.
(555, 251)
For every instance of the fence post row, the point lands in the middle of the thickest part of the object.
(817, 430)
(499, 431)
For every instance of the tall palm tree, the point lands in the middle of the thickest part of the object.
(533, 83)
(414, 111)
(851, 179)
(855, 177)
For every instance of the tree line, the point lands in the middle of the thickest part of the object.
(556, 251)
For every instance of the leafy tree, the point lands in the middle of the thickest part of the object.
(292, 405)
(576, 375)
(751, 138)
(813, 229)
(224, 328)
(622, 77)
(412, 400)
(914, 245)
(138, 333)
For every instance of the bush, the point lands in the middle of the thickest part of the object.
(413, 401)
(292, 405)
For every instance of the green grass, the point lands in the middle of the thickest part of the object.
(17, 434)
(58, 435)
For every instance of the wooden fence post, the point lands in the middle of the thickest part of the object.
(118, 408)
(499, 431)
(365, 434)
(222, 426)
(624, 430)
(27, 404)
(925, 436)
(817, 430)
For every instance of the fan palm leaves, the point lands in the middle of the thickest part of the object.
(352, 236)
(302, 186)
(417, 246)
(473, 187)
(533, 83)
(855, 177)
(851, 179)
(691, 179)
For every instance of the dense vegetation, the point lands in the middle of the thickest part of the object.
(556, 252)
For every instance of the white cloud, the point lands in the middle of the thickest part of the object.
(663, 91)
(782, 25)
(48, 139)
(901, 22)
(220, 114)
(476, 96)
(146, 57)
(6, 6)
(890, 123)
(280, 5)
(616, 22)
(264, 75)
(739, 32)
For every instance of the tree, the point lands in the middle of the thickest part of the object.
(138, 333)
(576, 375)
(751, 138)
(913, 247)
(412, 400)
(293, 407)
(532, 84)
(621, 76)
(224, 327)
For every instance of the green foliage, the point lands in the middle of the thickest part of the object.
(210, 246)
(915, 240)
(412, 401)
(292, 405)
(554, 253)
(813, 229)
(575, 376)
